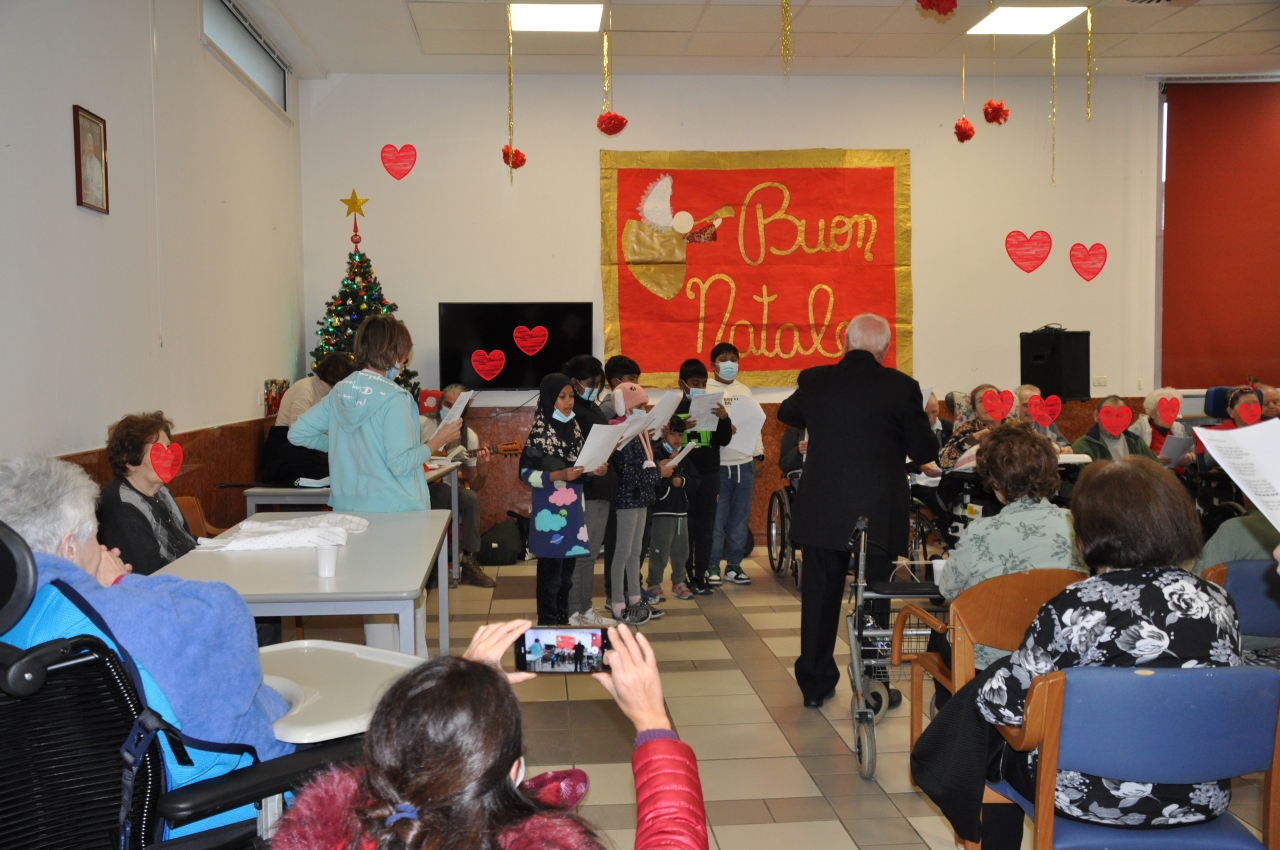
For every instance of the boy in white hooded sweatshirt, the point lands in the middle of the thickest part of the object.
(737, 476)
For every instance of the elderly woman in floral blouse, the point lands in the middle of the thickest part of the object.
(1136, 529)
(1021, 468)
(971, 432)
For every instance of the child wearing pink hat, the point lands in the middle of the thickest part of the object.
(637, 475)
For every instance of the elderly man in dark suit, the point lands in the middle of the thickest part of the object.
(863, 420)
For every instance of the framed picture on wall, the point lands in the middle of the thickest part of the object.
(91, 160)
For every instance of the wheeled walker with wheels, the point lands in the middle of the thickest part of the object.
(870, 670)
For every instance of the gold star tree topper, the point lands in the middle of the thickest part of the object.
(354, 204)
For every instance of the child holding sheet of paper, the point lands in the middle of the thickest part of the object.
(637, 475)
(709, 437)
(669, 515)
(738, 471)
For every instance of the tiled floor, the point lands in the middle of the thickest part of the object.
(774, 773)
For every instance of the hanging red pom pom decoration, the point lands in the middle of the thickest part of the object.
(515, 158)
(964, 129)
(942, 7)
(611, 123)
(995, 112)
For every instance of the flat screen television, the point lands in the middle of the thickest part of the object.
(510, 345)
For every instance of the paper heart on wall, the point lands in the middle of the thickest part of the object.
(997, 405)
(1169, 408)
(1044, 410)
(488, 365)
(399, 162)
(166, 461)
(1250, 411)
(1028, 252)
(429, 402)
(530, 341)
(1088, 262)
(1114, 420)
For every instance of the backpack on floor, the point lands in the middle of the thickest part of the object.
(501, 545)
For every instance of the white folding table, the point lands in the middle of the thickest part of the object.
(382, 570)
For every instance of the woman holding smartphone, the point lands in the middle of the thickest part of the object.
(557, 526)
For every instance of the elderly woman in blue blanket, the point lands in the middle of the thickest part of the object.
(195, 639)
(557, 528)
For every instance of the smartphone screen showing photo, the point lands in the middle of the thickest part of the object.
(562, 650)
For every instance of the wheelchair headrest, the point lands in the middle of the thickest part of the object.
(17, 578)
(1215, 401)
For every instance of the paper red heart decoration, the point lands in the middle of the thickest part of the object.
(1028, 252)
(997, 405)
(166, 461)
(1088, 262)
(1115, 420)
(399, 162)
(530, 341)
(1169, 409)
(429, 402)
(1044, 410)
(488, 365)
(1250, 411)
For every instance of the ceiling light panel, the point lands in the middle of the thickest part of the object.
(1026, 20)
(556, 17)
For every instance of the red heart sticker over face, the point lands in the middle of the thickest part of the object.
(429, 402)
(1088, 262)
(488, 365)
(1250, 411)
(399, 162)
(1044, 410)
(530, 341)
(1028, 252)
(1168, 409)
(166, 461)
(997, 405)
(1115, 420)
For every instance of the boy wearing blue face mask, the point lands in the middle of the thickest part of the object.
(369, 426)
(737, 477)
(709, 437)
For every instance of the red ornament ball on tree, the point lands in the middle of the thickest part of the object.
(995, 112)
(515, 158)
(610, 123)
(964, 129)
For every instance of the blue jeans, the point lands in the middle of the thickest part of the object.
(733, 513)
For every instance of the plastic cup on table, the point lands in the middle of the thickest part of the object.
(327, 557)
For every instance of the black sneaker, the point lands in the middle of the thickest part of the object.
(654, 613)
(701, 588)
(635, 615)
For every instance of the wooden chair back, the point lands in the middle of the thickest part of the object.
(997, 612)
(194, 515)
(1216, 574)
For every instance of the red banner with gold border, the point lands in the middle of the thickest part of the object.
(773, 251)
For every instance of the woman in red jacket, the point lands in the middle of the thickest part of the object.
(442, 765)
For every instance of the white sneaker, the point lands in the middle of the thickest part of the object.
(591, 617)
(576, 619)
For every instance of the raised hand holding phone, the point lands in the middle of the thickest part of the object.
(633, 680)
(492, 640)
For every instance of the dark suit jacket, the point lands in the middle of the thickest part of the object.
(943, 436)
(864, 419)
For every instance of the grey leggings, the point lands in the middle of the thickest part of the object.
(626, 555)
(668, 540)
(597, 517)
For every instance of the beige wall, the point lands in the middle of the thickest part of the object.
(454, 229)
(188, 294)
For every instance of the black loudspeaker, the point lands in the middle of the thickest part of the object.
(1057, 361)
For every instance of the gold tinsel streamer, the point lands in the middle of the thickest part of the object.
(786, 36)
(608, 92)
(1088, 67)
(962, 100)
(1053, 115)
(511, 104)
(993, 57)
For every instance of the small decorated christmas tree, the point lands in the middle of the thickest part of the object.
(360, 297)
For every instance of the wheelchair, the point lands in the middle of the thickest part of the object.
(784, 557)
(90, 757)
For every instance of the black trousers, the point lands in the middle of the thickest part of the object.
(610, 544)
(555, 578)
(1001, 822)
(702, 525)
(821, 595)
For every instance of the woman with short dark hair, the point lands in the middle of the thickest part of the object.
(1137, 530)
(369, 426)
(282, 462)
(1020, 467)
(136, 512)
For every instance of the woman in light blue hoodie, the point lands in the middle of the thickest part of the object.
(369, 426)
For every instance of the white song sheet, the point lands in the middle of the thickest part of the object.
(661, 413)
(459, 405)
(702, 411)
(599, 445)
(1174, 448)
(748, 417)
(675, 459)
(1251, 456)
